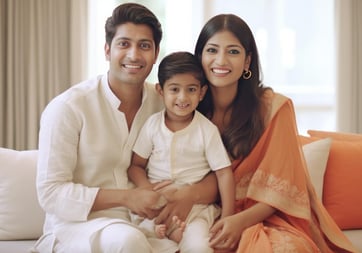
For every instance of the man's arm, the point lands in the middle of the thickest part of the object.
(140, 201)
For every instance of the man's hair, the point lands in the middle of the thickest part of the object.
(180, 63)
(133, 13)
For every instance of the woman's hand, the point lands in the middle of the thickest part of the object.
(225, 234)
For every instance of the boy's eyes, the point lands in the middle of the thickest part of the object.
(174, 89)
(177, 89)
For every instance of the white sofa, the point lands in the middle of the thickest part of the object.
(21, 218)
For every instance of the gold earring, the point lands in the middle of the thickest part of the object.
(247, 74)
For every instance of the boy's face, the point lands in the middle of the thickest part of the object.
(181, 95)
(131, 54)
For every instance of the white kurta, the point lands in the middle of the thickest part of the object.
(184, 156)
(84, 145)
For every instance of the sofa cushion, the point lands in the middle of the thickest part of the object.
(342, 180)
(342, 136)
(316, 154)
(342, 190)
(20, 214)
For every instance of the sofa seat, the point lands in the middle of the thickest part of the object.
(16, 246)
(21, 218)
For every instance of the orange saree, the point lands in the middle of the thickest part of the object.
(275, 173)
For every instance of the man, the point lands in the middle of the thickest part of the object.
(85, 142)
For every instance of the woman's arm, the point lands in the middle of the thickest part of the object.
(181, 201)
(226, 233)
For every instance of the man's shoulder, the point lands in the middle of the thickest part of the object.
(76, 95)
(80, 89)
(152, 100)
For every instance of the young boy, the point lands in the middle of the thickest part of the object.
(181, 145)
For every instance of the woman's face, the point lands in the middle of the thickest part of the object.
(224, 59)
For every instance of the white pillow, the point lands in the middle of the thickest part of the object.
(20, 214)
(316, 156)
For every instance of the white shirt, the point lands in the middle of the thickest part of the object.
(184, 156)
(85, 144)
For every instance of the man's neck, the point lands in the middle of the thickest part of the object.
(128, 94)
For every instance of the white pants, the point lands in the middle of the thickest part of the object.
(101, 236)
(196, 235)
(120, 238)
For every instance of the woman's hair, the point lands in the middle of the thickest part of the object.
(180, 63)
(247, 122)
(136, 14)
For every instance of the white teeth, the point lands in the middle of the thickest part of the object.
(220, 71)
(182, 106)
(132, 66)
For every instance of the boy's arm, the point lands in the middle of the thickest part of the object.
(226, 185)
(137, 171)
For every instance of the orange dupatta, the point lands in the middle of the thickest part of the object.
(275, 173)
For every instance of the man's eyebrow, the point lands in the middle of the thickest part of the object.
(129, 39)
(121, 38)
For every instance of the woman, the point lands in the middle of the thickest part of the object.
(276, 206)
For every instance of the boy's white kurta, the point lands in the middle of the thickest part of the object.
(184, 156)
(84, 145)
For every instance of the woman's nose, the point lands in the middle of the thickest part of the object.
(220, 59)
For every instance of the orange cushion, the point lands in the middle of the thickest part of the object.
(335, 135)
(342, 190)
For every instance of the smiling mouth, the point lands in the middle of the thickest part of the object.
(182, 106)
(131, 66)
(220, 71)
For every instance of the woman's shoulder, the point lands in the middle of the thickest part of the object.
(272, 101)
(272, 97)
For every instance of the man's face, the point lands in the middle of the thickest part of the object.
(131, 54)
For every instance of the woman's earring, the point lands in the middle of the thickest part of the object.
(247, 74)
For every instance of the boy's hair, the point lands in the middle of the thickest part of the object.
(133, 13)
(180, 63)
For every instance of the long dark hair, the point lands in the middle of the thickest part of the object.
(247, 122)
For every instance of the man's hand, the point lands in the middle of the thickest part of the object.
(178, 204)
(145, 203)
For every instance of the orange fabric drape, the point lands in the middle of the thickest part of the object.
(275, 173)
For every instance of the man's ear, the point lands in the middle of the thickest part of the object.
(107, 51)
(203, 91)
(159, 89)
